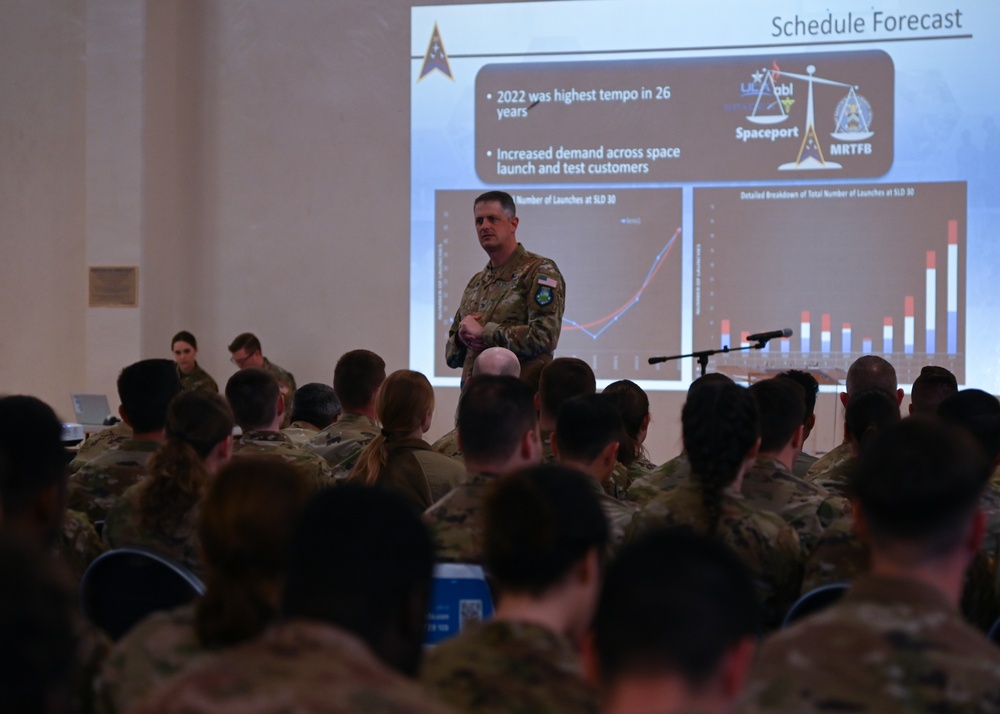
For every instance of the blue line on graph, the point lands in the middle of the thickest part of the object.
(659, 258)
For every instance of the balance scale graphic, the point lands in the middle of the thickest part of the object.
(853, 118)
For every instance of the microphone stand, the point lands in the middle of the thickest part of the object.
(703, 355)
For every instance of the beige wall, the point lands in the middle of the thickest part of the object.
(252, 158)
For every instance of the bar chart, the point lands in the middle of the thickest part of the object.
(851, 269)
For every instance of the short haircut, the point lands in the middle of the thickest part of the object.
(931, 387)
(494, 413)
(871, 372)
(37, 661)
(316, 404)
(710, 378)
(537, 524)
(562, 379)
(673, 602)
(918, 482)
(505, 200)
(32, 457)
(782, 409)
(868, 413)
(245, 341)
(586, 425)
(184, 336)
(977, 412)
(357, 376)
(145, 389)
(810, 387)
(253, 395)
(498, 361)
(358, 556)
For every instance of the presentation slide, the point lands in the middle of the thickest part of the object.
(703, 173)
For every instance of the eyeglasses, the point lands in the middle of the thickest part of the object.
(241, 361)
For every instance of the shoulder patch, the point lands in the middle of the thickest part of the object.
(544, 295)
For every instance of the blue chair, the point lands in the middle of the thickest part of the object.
(123, 586)
(460, 595)
(814, 601)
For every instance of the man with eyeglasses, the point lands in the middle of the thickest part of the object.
(245, 350)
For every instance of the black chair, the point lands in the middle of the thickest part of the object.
(814, 601)
(125, 585)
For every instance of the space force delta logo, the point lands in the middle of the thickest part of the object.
(779, 106)
(435, 58)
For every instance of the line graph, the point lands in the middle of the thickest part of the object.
(611, 318)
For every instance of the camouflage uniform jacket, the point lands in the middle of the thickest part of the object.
(803, 462)
(124, 526)
(197, 379)
(640, 468)
(296, 666)
(95, 487)
(890, 645)
(500, 666)
(157, 648)
(343, 441)
(666, 477)
(448, 445)
(96, 444)
(286, 382)
(79, 544)
(455, 521)
(770, 486)
(274, 444)
(520, 305)
(834, 457)
(417, 472)
(835, 479)
(618, 513)
(769, 546)
(300, 432)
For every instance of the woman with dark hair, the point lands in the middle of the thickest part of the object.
(160, 510)
(721, 438)
(632, 404)
(398, 458)
(192, 376)
(244, 527)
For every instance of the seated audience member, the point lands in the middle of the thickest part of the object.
(356, 381)
(721, 438)
(244, 527)
(587, 438)
(931, 387)
(865, 373)
(189, 372)
(498, 433)
(771, 485)
(37, 627)
(497, 361)
(99, 442)
(353, 618)
(632, 404)
(160, 512)
(315, 407)
(398, 458)
(896, 641)
(810, 390)
(677, 471)
(258, 407)
(676, 626)
(145, 389)
(246, 354)
(545, 536)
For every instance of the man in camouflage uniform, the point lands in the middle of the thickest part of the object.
(258, 407)
(866, 372)
(498, 432)
(246, 352)
(145, 390)
(771, 485)
(896, 641)
(587, 438)
(315, 407)
(498, 361)
(337, 649)
(356, 380)
(548, 573)
(99, 442)
(810, 388)
(517, 301)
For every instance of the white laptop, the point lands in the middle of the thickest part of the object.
(91, 409)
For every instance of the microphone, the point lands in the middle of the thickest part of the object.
(765, 336)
